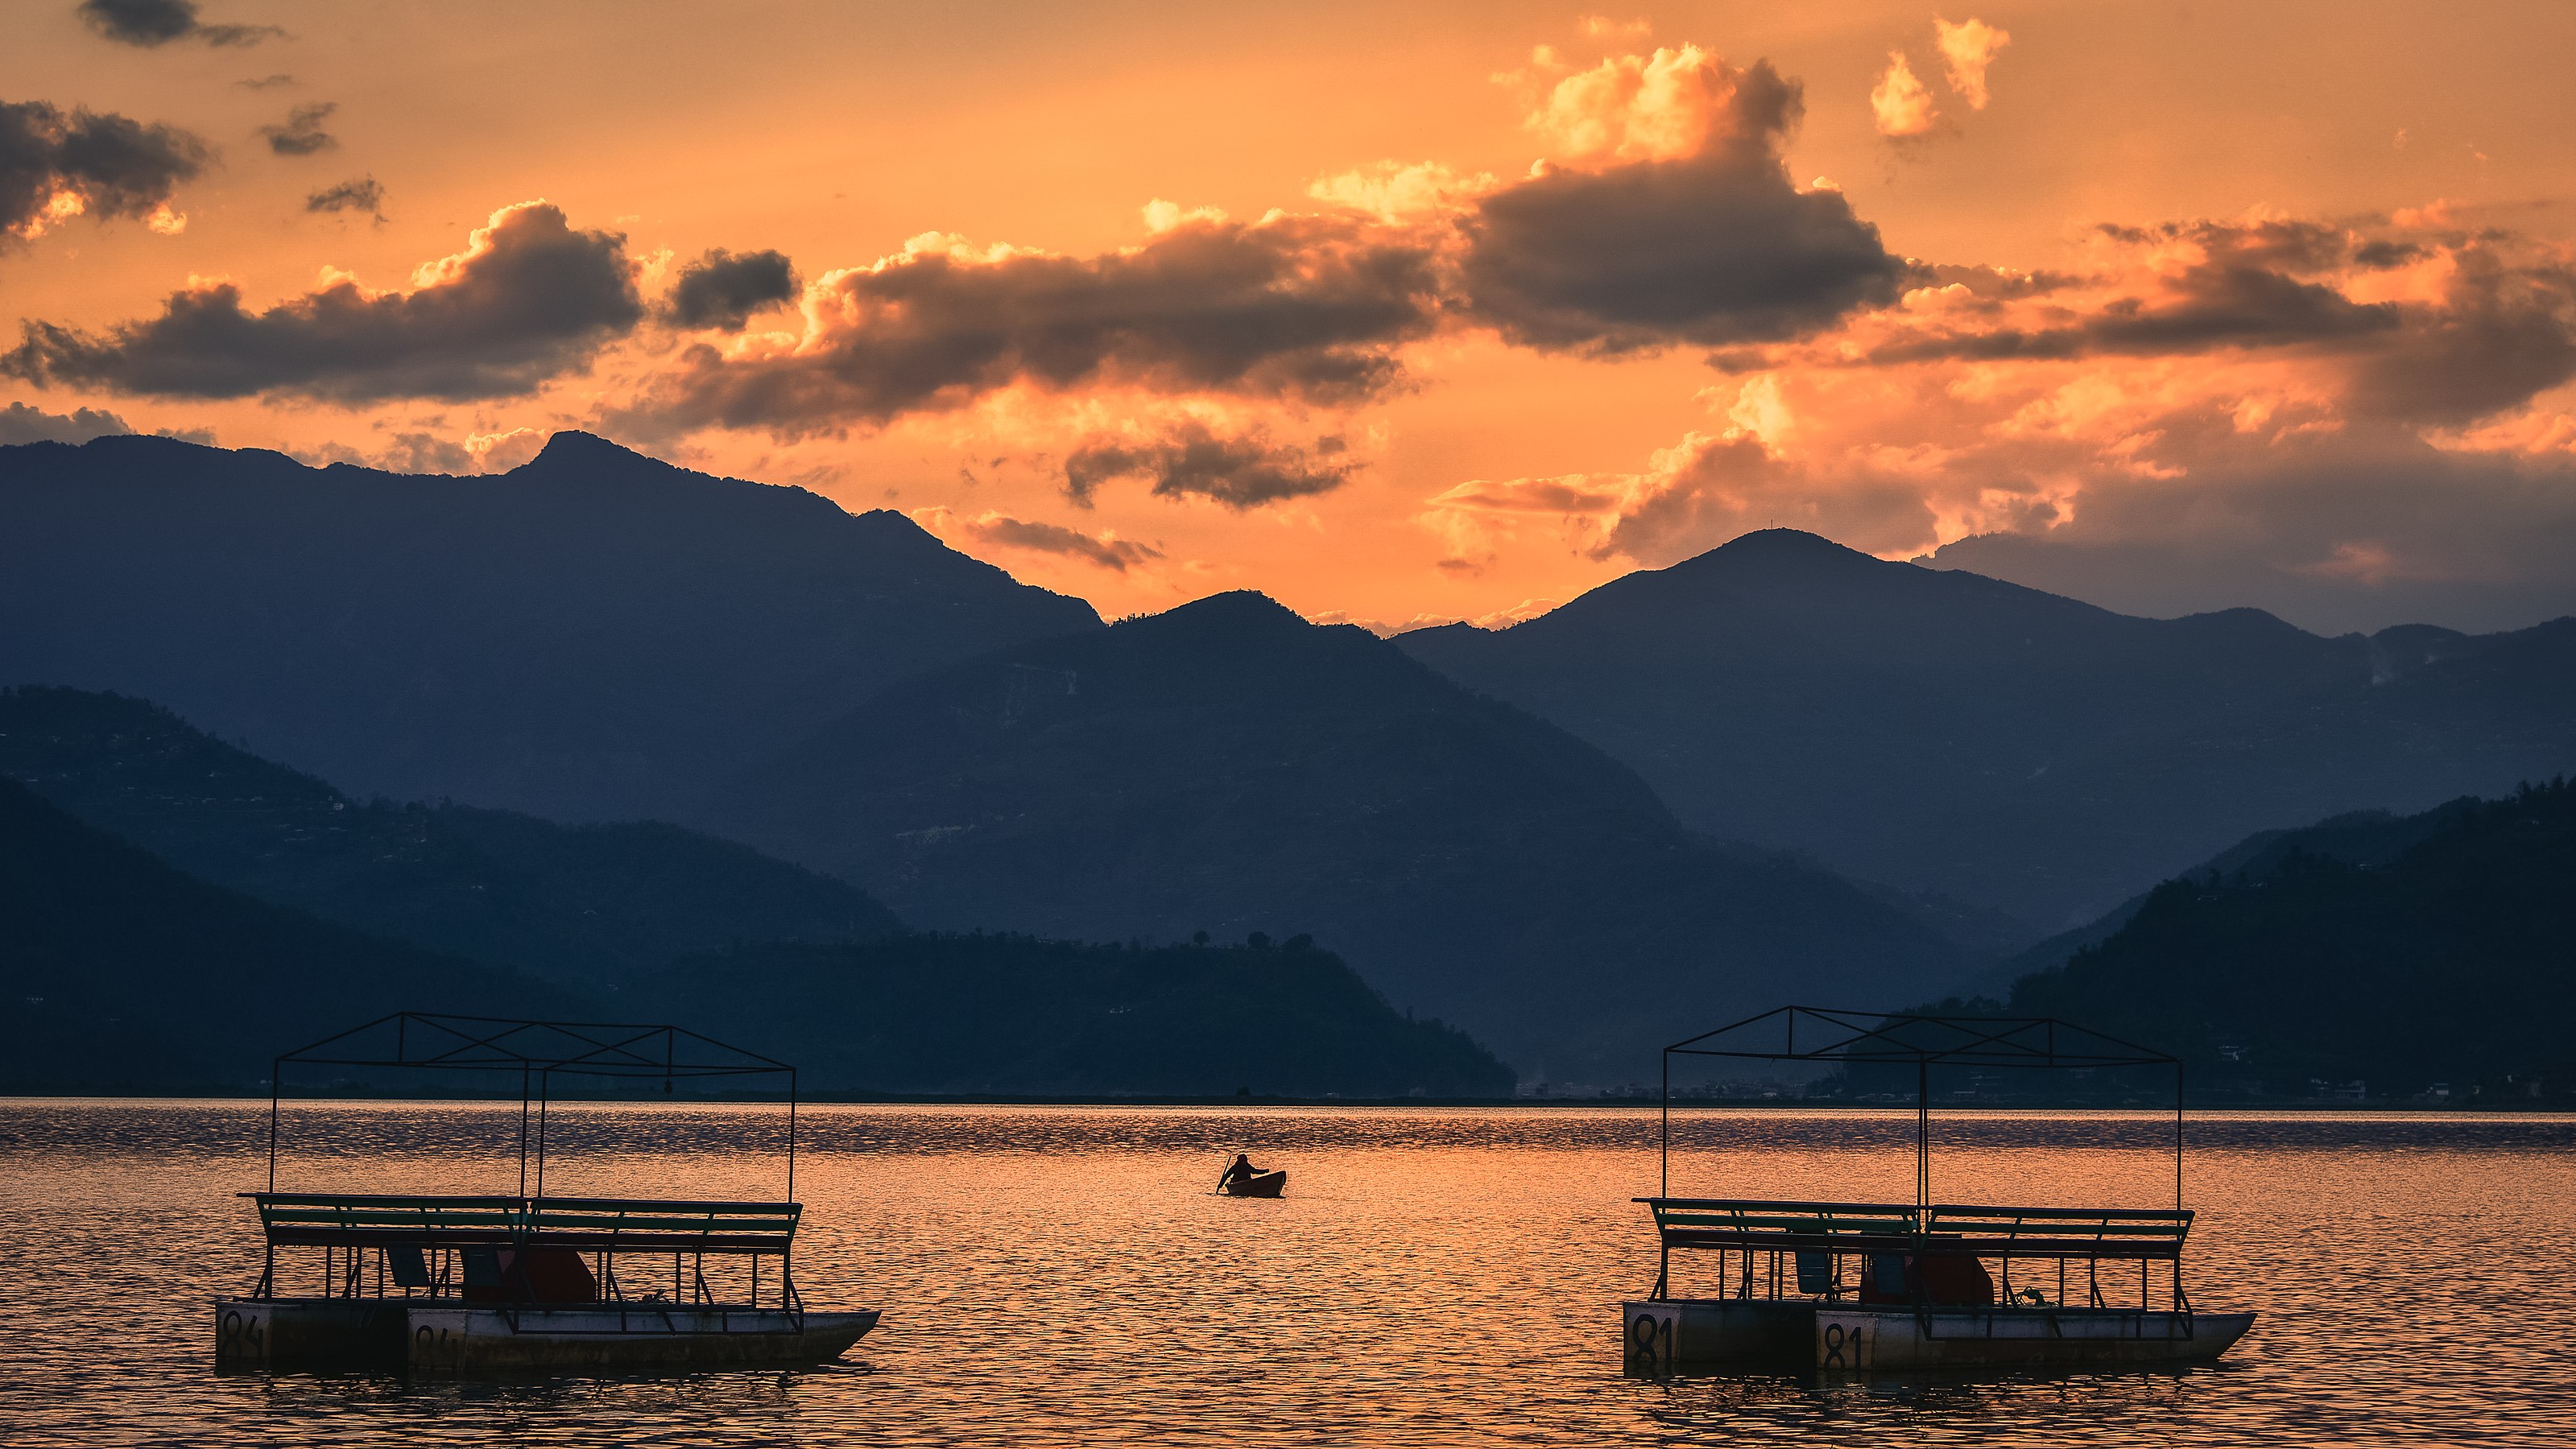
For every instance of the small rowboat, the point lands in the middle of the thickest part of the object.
(1265, 1184)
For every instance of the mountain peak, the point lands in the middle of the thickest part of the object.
(573, 446)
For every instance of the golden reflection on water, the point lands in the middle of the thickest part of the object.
(1063, 1275)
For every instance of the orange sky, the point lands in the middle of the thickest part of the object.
(2323, 366)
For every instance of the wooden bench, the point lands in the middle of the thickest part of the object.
(343, 1219)
(1759, 1223)
(583, 1224)
(2015, 1232)
(1952, 1228)
(659, 1226)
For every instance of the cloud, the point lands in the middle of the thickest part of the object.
(149, 23)
(364, 193)
(2334, 539)
(266, 82)
(1691, 497)
(54, 167)
(1899, 105)
(2441, 328)
(1104, 549)
(1676, 224)
(1242, 470)
(529, 299)
(20, 423)
(721, 290)
(1298, 307)
(421, 451)
(1967, 49)
(302, 133)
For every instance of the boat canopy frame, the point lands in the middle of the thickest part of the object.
(538, 1051)
(1842, 1037)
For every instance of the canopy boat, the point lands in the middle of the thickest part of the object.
(1858, 1286)
(1260, 1184)
(467, 1284)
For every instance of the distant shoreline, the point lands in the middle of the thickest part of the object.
(889, 1099)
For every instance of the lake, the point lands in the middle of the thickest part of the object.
(1434, 1276)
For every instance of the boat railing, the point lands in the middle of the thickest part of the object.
(1802, 1246)
(439, 1244)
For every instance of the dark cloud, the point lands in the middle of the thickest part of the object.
(1711, 249)
(365, 194)
(529, 299)
(2503, 329)
(2388, 531)
(1107, 551)
(722, 290)
(20, 423)
(266, 82)
(115, 167)
(1241, 471)
(150, 23)
(2502, 333)
(1301, 307)
(301, 134)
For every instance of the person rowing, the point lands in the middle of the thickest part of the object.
(1241, 1170)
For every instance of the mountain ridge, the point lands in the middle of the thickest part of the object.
(1938, 730)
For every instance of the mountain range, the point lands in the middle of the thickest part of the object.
(591, 636)
(599, 718)
(2351, 953)
(1941, 731)
(1228, 767)
(587, 905)
(120, 971)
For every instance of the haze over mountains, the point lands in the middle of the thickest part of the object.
(587, 905)
(591, 636)
(1936, 729)
(1229, 767)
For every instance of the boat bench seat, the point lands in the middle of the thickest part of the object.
(658, 1225)
(1947, 1228)
(2018, 1232)
(1766, 1223)
(340, 1218)
(608, 1224)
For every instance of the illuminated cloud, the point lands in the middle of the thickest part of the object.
(720, 290)
(1302, 308)
(1678, 224)
(364, 193)
(1967, 49)
(1104, 549)
(1240, 470)
(149, 23)
(1901, 106)
(529, 299)
(1691, 497)
(301, 133)
(54, 167)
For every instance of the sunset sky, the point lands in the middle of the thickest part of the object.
(1397, 313)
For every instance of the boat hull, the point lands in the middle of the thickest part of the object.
(1681, 1335)
(444, 1337)
(1267, 1184)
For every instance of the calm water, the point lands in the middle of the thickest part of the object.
(1056, 1276)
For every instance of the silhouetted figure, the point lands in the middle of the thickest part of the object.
(1241, 1171)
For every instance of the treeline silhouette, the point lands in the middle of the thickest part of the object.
(979, 1013)
(2453, 963)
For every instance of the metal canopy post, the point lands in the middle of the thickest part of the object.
(1895, 1038)
(537, 1050)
